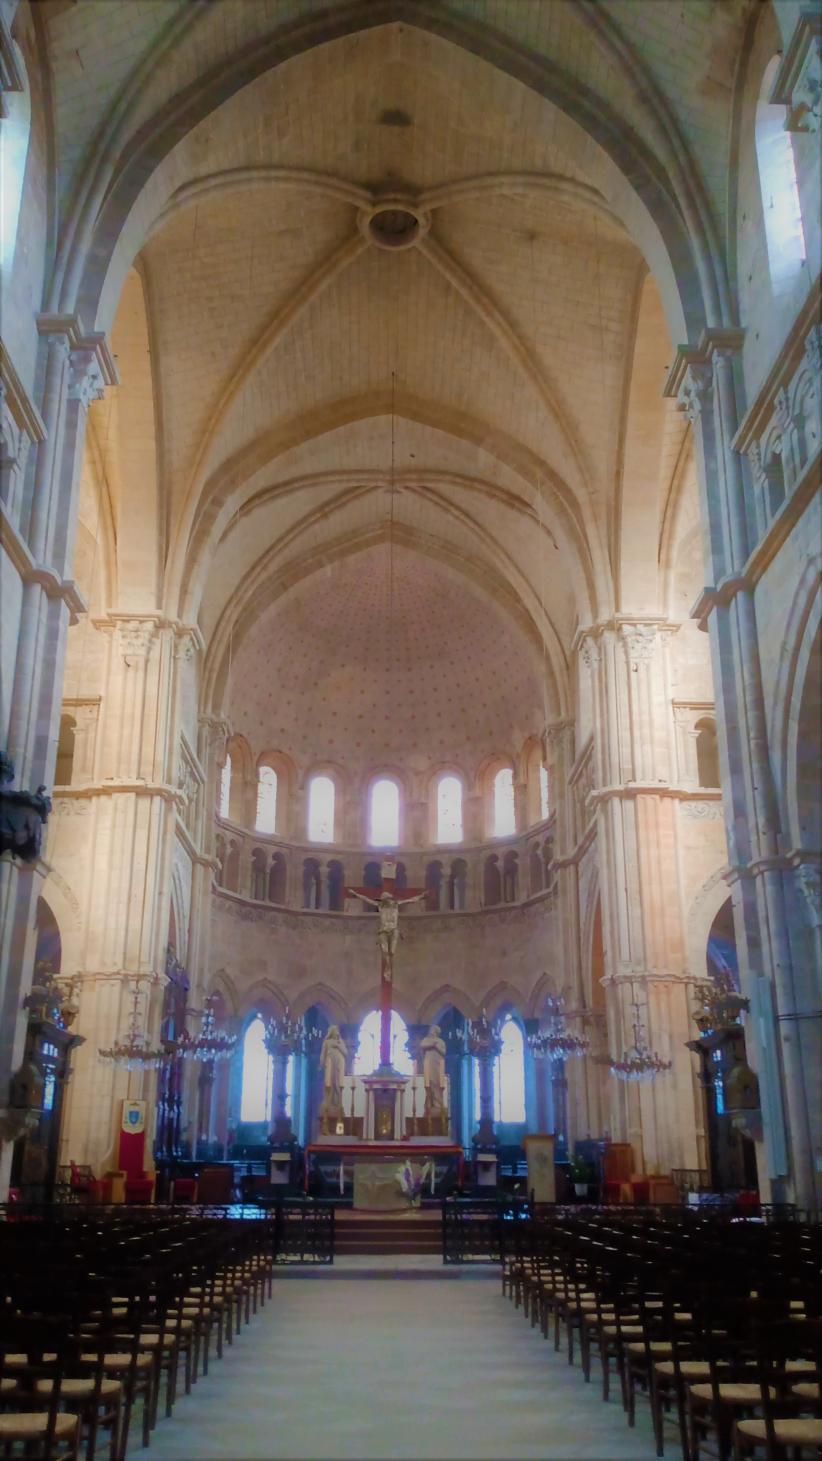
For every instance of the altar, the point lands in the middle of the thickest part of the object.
(339, 1167)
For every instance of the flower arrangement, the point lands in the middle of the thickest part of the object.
(412, 1180)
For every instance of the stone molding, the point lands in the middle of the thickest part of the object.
(51, 583)
(628, 791)
(116, 787)
(21, 427)
(798, 83)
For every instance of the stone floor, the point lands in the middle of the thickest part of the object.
(370, 1369)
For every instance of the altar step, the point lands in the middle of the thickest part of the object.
(387, 1233)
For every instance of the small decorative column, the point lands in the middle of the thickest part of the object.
(485, 1045)
(284, 1037)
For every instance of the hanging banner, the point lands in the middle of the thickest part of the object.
(134, 1117)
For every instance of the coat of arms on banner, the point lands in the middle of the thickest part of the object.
(134, 1117)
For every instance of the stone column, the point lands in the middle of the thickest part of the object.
(123, 857)
(75, 370)
(784, 1040)
(637, 833)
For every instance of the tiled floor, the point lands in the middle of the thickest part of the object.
(365, 1368)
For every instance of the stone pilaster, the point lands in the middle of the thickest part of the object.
(784, 1042)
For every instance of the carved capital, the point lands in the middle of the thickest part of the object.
(590, 653)
(135, 636)
(695, 392)
(640, 642)
(86, 383)
(186, 644)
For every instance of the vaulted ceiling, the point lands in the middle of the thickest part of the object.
(302, 362)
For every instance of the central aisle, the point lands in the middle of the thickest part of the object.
(378, 1368)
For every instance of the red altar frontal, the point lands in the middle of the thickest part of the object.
(367, 1170)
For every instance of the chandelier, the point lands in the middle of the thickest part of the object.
(557, 1042)
(134, 1052)
(483, 1035)
(638, 1062)
(720, 1004)
(210, 1043)
(284, 1033)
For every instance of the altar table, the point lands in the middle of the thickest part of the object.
(335, 1158)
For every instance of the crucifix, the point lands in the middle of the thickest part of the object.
(387, 902)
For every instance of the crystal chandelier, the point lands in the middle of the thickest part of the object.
(210, 1043)
(638, 1062)
(557, 1042)
(284, 1033)
(134, 1052)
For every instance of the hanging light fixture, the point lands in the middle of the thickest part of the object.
(210, 1044)
(638, 1062)
(135, 1052)
(284, 1033)
(557, 1042)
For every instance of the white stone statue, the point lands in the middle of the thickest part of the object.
(388, 908)
(332, 1059)
(432, 1049)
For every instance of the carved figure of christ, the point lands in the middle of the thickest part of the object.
(388, 900)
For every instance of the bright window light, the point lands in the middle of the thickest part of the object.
(321, 810)
(266, 799)
(449, 809)
(509, 1076)
(225, 787)
(385, 814)
(543, 792)
(780, 192)
(13, 153)
(367, 1058)
(255, 1100)
(504, 819)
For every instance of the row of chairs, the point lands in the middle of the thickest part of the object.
(102, 1315)
(717, 1323)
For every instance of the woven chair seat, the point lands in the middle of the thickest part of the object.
(807, 1390)
(118, 1360)
(614, 1329)
(733, 1392)
(75, 1389)
(657, 1346)
(28, 1425)
(690, 1369)
(20, 1361)
(787, 1432)
(7, 1384)
(793, 1365)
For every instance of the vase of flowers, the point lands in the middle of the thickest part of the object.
(411, 1180)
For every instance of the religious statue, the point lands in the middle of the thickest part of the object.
(389, 910)
(332, 1060)
(432, 1050)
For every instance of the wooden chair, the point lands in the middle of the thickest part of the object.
(790, 1424)
(34, 1357)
